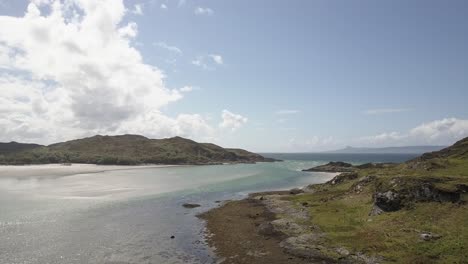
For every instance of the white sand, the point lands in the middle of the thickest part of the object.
(58, 170)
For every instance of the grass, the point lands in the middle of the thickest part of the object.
(344, 217)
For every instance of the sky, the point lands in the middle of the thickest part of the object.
(265, 75)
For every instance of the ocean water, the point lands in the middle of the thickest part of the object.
(129, 216)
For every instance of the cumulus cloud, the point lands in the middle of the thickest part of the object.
(163, 6)
(443, 131)
(380, 111)
(203, 11)
(74, 72)
(438, 132)
(232, 121)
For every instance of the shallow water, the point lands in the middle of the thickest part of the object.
(128, 216)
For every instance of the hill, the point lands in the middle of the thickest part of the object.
(389, 150)
(11, 147)
(131, 150)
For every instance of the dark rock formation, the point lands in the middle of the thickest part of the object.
(416, 190)
(190, 205)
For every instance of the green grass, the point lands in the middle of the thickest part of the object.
(344, 217)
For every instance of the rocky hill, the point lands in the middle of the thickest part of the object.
(130, 150)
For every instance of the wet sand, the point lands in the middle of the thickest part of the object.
(58, 170)
(233, 230)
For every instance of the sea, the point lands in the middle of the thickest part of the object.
(129, 216)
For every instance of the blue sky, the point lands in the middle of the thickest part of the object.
(263, 75)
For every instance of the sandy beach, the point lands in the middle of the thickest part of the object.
(59, 170)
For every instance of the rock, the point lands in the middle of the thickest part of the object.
(375, 211)
(295, 191)
(343, 177)
(288, 227)
(343, 251)
(427, 236)
(405, 191)
(388, 201)
(190, 205)
(266, 229)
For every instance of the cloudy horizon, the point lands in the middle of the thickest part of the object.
(76, 68)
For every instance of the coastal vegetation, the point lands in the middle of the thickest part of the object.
(413, 212)
(127, 150)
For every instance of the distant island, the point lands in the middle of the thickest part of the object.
(388, 150)
(125, 150)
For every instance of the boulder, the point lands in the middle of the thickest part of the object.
(427, 236)
(190, 205)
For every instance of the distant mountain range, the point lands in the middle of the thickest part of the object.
(125, 150)
(389, 150)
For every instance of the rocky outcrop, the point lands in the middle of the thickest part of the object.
(403, 193)
(337, 166)
(343, 177)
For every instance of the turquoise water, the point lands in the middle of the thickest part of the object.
(128, 216)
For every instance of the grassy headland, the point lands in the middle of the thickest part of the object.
(413, 212)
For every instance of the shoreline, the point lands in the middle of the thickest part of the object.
(239, 232)
(59, 170)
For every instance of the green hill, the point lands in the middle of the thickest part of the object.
(130, 150)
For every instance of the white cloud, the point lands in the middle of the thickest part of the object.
(187, 89)
(73, 72)
(218, 59)
(287, 112)
(203, 11)
(380, 111)
(170, 48)
(208, 62)
(439, 132)
(232, 121)
(163, 6)
(443, 131)
(137, 9)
